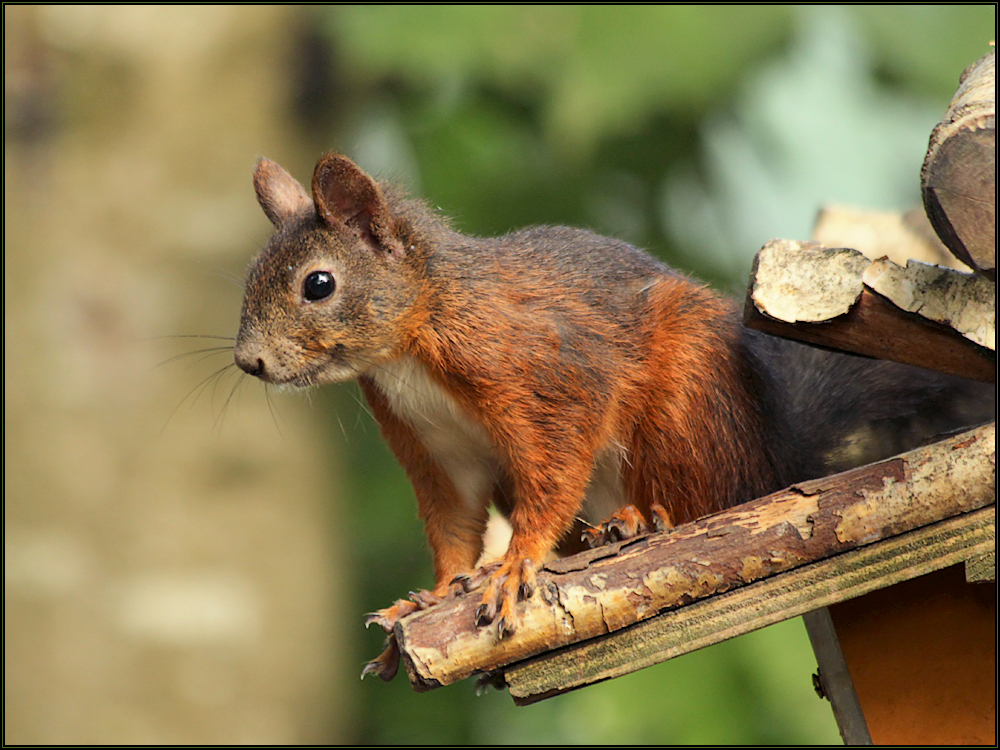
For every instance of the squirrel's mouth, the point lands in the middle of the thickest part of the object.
(338, 372)
(334, 367)
(313, 365)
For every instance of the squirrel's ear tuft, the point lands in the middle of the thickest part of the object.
(279, 194)
(346, 197)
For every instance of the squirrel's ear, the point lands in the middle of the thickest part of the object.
(279, 194)
(347, 197)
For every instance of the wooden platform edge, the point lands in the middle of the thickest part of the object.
(589, 595)
(781, 597)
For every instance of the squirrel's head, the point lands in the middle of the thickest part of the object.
(329, 297)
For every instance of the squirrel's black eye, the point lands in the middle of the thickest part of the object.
(318, 285)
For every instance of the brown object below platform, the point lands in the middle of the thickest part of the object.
(922, 656)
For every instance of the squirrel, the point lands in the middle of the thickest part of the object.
(555, 374)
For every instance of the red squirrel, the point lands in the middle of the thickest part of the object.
(553, 373)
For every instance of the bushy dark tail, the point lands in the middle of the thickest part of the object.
(829, 412)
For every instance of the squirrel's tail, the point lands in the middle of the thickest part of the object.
(829, 412)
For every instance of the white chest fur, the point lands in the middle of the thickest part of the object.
(459, 444)
(463, 448)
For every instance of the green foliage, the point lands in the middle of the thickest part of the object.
(927, 47)
(599, 70)
(755, 690)
(812, 128)
(593, 116)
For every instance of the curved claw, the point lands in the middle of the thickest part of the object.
(424, 599)
(460, 584)
(511, 582)
(593, 537)
(505, 628)
(386, 664)
(472, 581)
(379, 619)
(388, 617)
(627, 523)
(661, 518)
(485, 614)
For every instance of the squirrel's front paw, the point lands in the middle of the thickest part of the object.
(511, 582)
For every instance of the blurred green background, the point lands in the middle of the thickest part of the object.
(130, 134)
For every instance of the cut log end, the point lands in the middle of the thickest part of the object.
(958, 180)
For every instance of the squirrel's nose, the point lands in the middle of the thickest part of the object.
(249, 360)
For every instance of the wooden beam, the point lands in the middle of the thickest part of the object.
(962, 302)
(603, 590)
(840, 300)
(876, 328)
(743, 610)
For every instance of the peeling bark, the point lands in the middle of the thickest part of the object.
(964, 302)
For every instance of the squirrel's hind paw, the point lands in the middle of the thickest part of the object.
(388, 617)
(386, 664)
(627, 523)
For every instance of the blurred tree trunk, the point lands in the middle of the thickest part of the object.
(169, 579)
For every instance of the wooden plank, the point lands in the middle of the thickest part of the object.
(595, 592)
(802, 291)
(876, 328)
(763, 603)
(981, 569)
